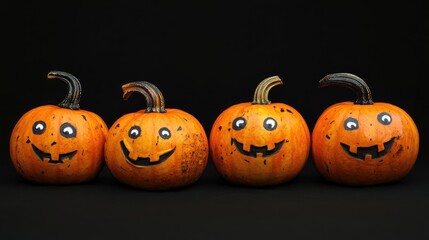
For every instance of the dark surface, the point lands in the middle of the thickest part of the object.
(205, 57)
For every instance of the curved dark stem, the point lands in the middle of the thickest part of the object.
(130, 88)
(72, 98)
(262, 90)
(153, 96)
(353, 82)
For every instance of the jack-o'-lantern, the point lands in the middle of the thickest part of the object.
(59, 144)
(260, 143)
(363, 142)
(157, 148)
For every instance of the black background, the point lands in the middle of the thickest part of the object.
(206, 56)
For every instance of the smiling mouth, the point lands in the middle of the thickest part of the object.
(254, 150)
(145, 161)
(362, 152)
(42, 156)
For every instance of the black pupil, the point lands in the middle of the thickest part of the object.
(384, 118)
(39, 127)
(351, 124)
(164, 133)
(239, 123)
(67, 130)
(270, 124)
(134, 132)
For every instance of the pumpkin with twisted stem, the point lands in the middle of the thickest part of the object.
(59, 144)
(363, 142)
(156, 148)
(260, 143)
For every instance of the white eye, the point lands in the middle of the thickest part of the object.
(239, 123)
(134, 132)
(67, 130)
(351, 124)
(164, 133)
(270, 124)
(39, 127)
(384, 118)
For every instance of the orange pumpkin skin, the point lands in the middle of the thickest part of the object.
(364, 144)
(57, 145)
(254, 155)
(157, 150)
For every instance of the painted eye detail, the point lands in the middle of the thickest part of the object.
(351, 124)
(239, 123)
(384, 118)
(270, 124)
(164, 133)
(67, 130)
(134, 132)
(39, 127)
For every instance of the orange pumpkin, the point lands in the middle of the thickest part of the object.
(260, 143)
(156, 148)
(362, 142)
(59, 144)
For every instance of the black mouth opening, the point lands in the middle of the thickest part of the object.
(144, 161)
(42, 155)
(372, 150)
(254, 150)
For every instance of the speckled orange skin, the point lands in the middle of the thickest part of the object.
(88, 143)
(335, 164)
(187, 147)
(282, 165)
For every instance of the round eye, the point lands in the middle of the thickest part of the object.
(164, 133)
(384, 118)
(270, 124)
(239, 123)
(351, 124)
(39, 127)
(134, 132)
(67, 130)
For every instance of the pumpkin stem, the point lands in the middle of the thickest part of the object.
(261, 92)
(153, 96)
(72, 98)
(353, 82)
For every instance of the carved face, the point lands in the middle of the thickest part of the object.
(56, 145)
(149, 145)
(51, 153)
(364, 147)
(259, 144)
(364, 143)
(252, 142)
(156, 157)
(156, 150)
